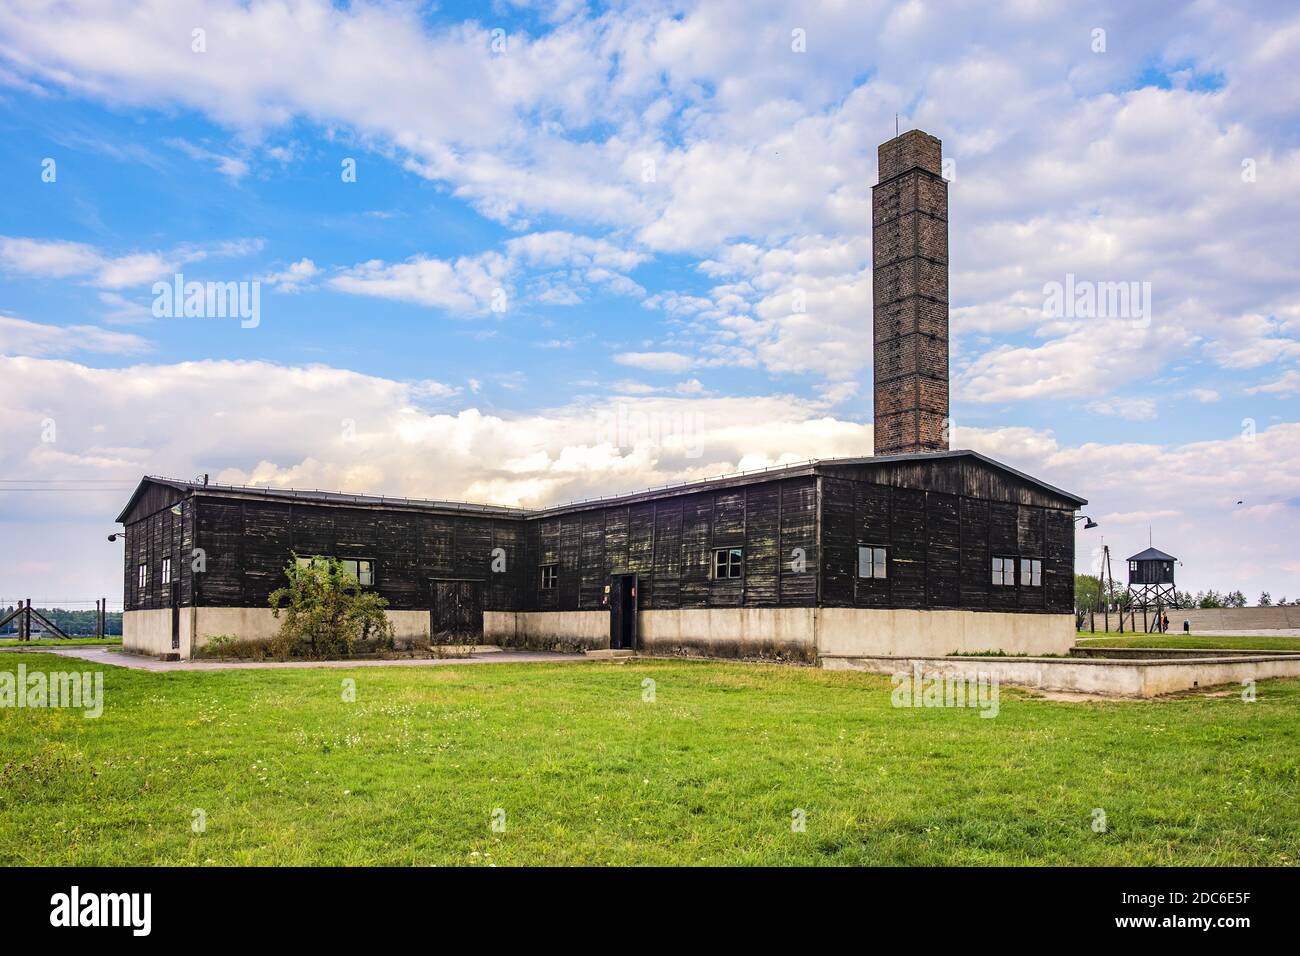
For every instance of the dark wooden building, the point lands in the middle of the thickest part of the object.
(940, 531)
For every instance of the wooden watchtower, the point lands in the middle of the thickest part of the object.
(1151, 581)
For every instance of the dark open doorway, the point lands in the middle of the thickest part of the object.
(456, 615)
(176, 616)
(622, 612)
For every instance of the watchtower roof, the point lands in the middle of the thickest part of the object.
(1152, 554)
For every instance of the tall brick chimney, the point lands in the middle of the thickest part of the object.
(909, 251)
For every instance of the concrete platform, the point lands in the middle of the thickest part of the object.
(1090, 676)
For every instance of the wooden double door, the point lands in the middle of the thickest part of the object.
(456, 616)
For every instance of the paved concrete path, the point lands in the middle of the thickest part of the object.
(102, 655)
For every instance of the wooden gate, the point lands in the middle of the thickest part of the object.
(456, 616)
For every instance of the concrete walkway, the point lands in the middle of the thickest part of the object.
(116, 658)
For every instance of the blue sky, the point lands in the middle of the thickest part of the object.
(649, 189)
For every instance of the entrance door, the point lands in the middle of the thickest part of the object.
(457, 613)
(176, 616)
(622, 612)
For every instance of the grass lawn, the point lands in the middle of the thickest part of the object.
(60, 641)
(287, 772)
(1239, 642)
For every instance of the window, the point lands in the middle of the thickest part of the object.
(142, 576)
(549, 573)
(871, 562)
(1004, 572)
(167, 571)
(1031, 572)
(363, 569)
(1132, 565)
(728, 563)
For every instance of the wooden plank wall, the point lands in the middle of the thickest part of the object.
(248, 544)
(150, 538)
(940, 547)
(669, 545)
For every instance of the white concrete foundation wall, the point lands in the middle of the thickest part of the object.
(150, 632)
(801, 633)
(778, 633)
(896, 633)
(546, 629)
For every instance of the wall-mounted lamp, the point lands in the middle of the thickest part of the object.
(1088, 523)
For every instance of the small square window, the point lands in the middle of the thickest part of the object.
(549, 575)
(871, 562)
(728, 563)
(166, 570)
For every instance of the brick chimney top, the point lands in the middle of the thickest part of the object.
(911, 150)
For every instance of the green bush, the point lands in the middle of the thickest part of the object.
(326, 613)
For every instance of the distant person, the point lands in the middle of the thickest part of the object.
(1164, 624)
(1187, 626)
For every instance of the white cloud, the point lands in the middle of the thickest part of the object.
(656, 361)
(59, 259)
(21, 337)
(296, 278)
(232, 167)
(1287, 384)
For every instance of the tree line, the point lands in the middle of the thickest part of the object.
(72, 623)
(1088, 591)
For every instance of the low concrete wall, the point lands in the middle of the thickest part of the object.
(795, 634)
(891, 632)
(778, 633)
(1078, 675)
(1235, 618)
(1174, 653)
(150, 632)
(547, 629)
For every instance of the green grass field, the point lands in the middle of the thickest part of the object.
(60, 641)
(287, 772)
(1239, 642)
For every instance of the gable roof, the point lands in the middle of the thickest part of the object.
(186, 488)
(1152, 554)
(813, 467)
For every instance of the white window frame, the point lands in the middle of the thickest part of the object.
(876, 565)
(142, 576)
(1003, 571)
(1031, 572)
(550, 576)
(166, 570)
